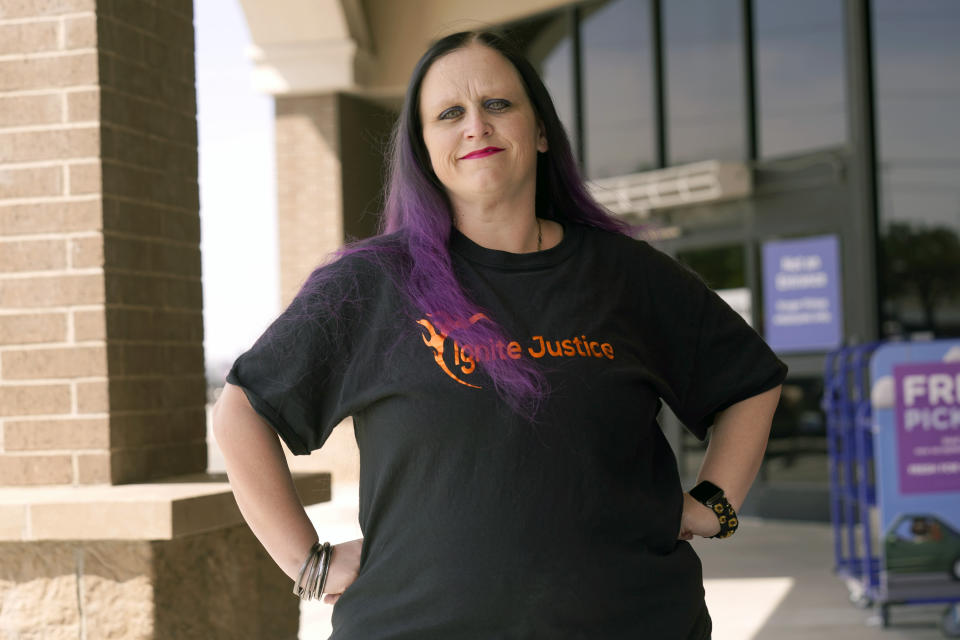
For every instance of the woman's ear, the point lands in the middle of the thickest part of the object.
(541, 137)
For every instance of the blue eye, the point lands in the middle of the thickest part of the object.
(504, 103)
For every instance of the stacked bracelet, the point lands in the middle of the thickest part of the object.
(312, 577)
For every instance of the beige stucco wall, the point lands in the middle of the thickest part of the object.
(364, 47)
(401, 31)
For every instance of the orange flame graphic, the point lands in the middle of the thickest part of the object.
(436, 339)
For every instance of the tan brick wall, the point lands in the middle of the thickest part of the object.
(309, 190)
(66, 433)
(46, 52)
(329, 178)
(101, 329)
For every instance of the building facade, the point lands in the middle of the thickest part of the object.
(729, 129)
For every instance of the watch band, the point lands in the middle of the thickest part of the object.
(712, 496)
(727, 517)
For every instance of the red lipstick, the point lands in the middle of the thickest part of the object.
(482, 152)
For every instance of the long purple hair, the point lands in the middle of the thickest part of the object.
(418, 211)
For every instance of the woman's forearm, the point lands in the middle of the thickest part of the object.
(737, 444)
(261, 481)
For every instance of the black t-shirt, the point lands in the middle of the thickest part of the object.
(476, 523)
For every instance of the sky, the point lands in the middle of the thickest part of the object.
(237, 187)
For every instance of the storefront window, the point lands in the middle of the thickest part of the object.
(720, 267)
(796, 451)
(917, 53)
(800, 75)
(704, 77)
(723, 269)
(797, 448)
(617, 88)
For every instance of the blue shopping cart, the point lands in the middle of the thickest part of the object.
(853, 491)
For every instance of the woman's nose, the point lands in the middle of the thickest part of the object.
(477, 124)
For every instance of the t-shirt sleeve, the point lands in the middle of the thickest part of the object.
(295, 373)
(712, 357)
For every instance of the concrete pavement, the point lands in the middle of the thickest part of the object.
(772, 580)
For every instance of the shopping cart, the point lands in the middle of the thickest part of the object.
(853, 493)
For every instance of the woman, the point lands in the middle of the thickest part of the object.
(503, 346)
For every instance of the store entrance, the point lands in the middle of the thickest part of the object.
(793, 198)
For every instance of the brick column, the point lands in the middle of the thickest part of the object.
(330, 164)
(101, 332)
(102, 383)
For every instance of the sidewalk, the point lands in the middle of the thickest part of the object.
(772, 580)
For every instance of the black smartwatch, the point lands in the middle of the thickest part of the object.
(712, 496)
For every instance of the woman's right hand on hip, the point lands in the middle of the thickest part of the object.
(344, 567)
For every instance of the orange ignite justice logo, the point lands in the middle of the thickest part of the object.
(466, 356)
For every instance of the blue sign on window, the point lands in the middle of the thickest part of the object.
(801, 294)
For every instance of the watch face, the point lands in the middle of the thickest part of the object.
(706, 492)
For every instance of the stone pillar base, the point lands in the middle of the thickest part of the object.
(73, 565)
(220, 584)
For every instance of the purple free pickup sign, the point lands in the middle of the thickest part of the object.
(928, 426)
